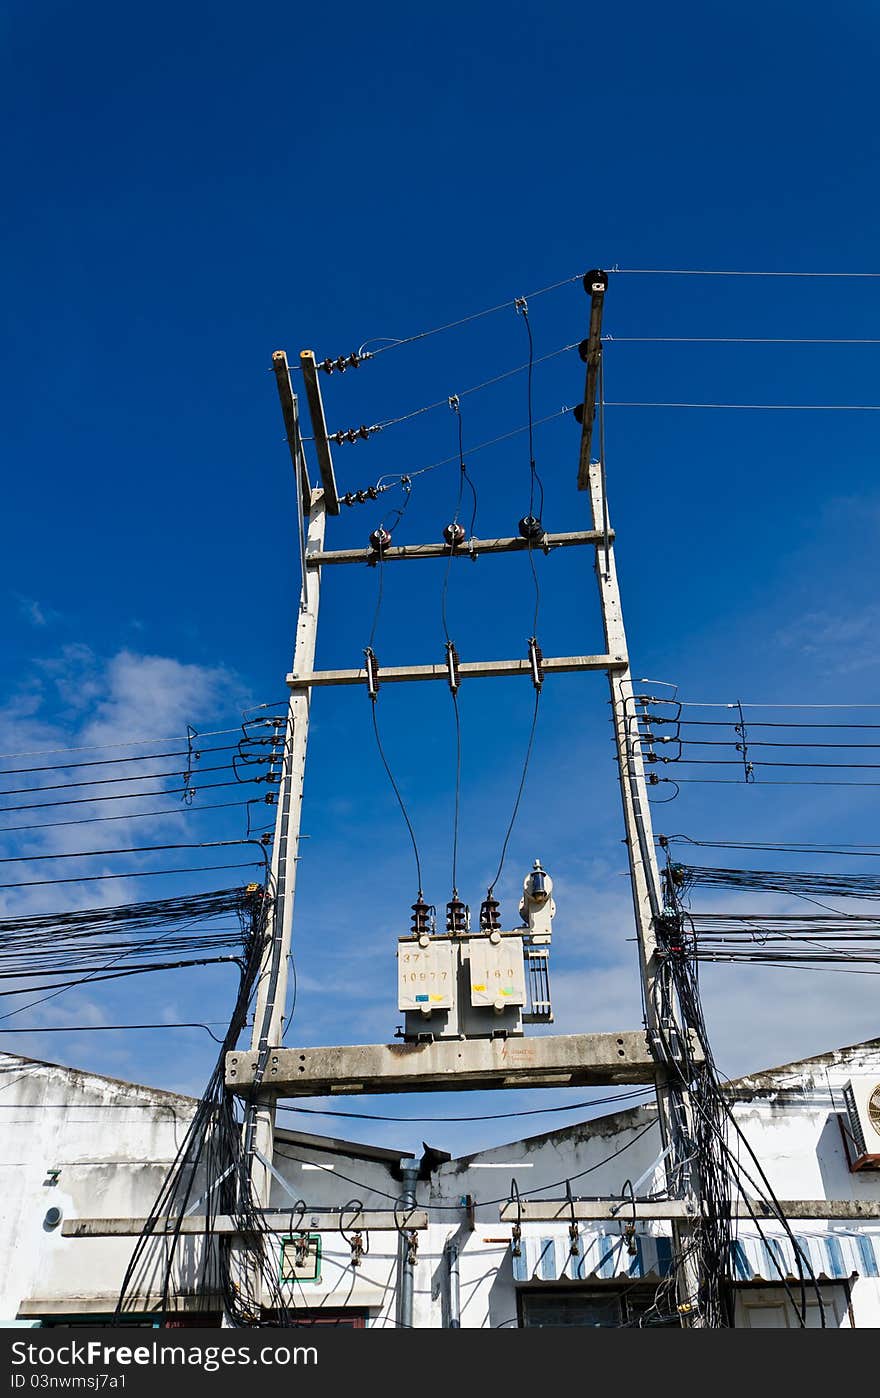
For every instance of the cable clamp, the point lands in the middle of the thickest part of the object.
(452, 667)
(372, 667)
(521, 306)
(536, 663)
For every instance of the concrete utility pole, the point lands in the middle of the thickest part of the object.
(267, 1071)
(272, 984)
(672, 1102)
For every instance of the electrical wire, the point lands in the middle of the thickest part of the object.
(131, 815)
(125, 796)
(481, 1116)
(128, 742)
(705, 272)
(480, 446)
(475, 388)
(400, 801)
(729, 340)
(760, 407)
(104, 1028)
(464, 320)
(462, 478)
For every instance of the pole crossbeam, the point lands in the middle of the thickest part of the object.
(279, 1220)
(450, 1065)
(649, 1210)
(468, 669)
(471, 548)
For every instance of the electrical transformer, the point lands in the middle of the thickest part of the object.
(477, 985)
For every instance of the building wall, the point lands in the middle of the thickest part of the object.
(112, 1144)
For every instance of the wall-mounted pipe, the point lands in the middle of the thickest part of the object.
(453, 1287)
(406, 1265)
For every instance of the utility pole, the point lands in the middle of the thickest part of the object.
(672, 1102)
(271, 996)
(267, 1070)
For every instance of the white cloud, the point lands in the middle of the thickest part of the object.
(33, 612)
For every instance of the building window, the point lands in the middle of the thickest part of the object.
(598, 1307)
(771, 1307)
(343, 1320)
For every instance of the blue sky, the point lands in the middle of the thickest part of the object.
(188, 190)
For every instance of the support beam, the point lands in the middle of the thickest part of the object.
(586, 1210)
(471, 548)
(280, 1220)
(473, 669)
(450, 1065)
(290, 413)
(319, 430)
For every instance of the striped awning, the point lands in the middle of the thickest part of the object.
(604, 1253)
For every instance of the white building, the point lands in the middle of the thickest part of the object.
(77, 1145)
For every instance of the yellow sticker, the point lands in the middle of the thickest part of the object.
(478, 987)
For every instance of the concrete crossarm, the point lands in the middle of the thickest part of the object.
(562, 1210)
(375, 1220)
(561, 1060)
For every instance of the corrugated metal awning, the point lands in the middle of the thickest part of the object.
(603, 1253)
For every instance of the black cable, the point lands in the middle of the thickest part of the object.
(130, 815)
(127, 849)
(112, 781)
(394, 787)
(103, 1028)
(130, 874)
(522, 783)
(490, 1116)
(124, 796)
(462, 477)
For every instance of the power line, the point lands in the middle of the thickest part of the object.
(732, 340)
(761, 407)
(707, 272)
(481, 446)
(464, 320)
(135, 815)
(131, 874)
(99, 1028)
(130, 849)
(475, 388)
(128, 742)
(727, 781)
(110, 761)
(113, 781)
(125, 796)
(484, 1116)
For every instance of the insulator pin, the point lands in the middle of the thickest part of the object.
(458, 916)
(454, 534)
(490, 918)
(531, 529)
(422, 918)
(379, 540)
